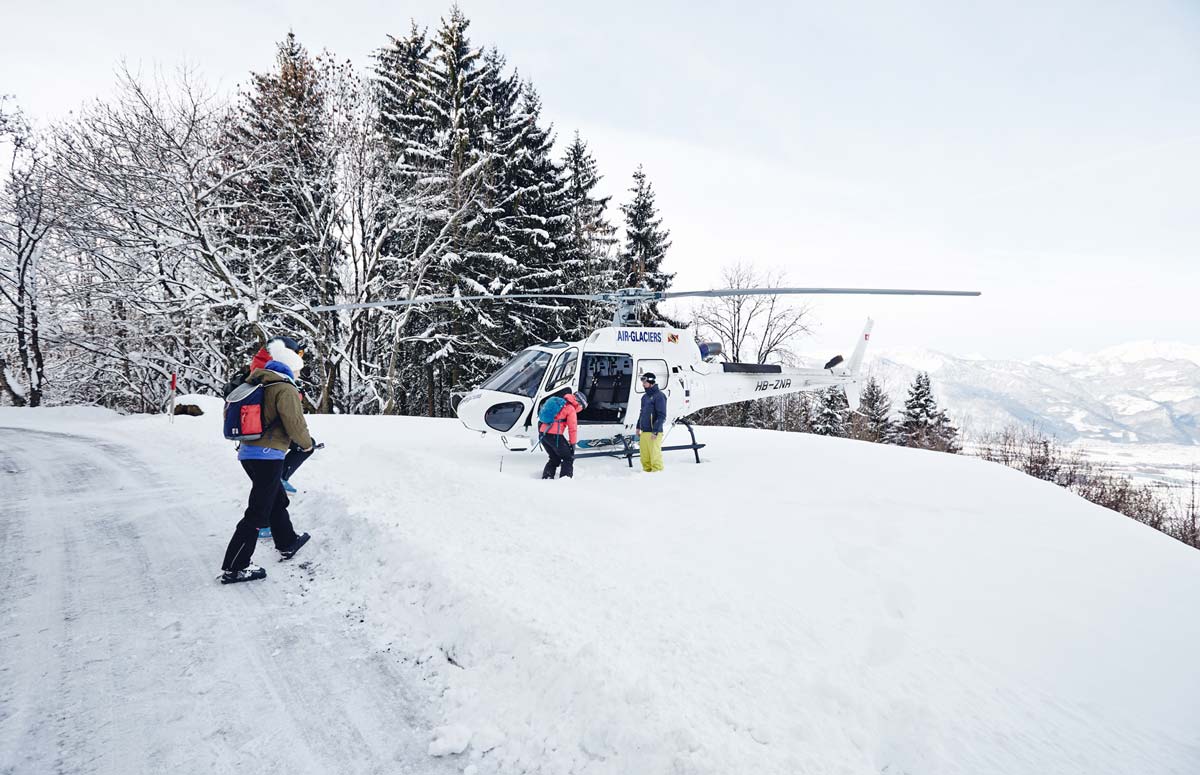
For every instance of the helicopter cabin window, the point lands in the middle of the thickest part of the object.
(656, 367)
(563, 373)
(605, 379)
(520, 376)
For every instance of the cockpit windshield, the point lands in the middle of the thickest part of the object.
(521, 375)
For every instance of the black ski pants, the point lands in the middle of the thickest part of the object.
(268, 507)
(561, 453)
(295, 458)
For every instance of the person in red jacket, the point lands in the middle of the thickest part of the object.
(559, 437)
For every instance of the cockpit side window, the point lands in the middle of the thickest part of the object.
(656, 367)
(520, 376)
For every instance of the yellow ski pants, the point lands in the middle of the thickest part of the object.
(650, 446)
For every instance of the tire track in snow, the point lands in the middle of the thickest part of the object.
(122, 654)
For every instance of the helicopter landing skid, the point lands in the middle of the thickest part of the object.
(629, 449)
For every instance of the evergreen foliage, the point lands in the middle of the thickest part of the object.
(589, 244)
(198, 229)
(799, 413)
(646, 244)
(922, 423)
(832, 414)
(872, 421)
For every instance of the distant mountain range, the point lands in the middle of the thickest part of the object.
(1141, 393)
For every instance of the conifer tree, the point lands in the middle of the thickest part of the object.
(922, 423)
(401, 71)
(646, 244)
(590, 239)
(526, 213)
(799, 413)
(832, 413)
(280, 214)
(466, 339)
(872, 420)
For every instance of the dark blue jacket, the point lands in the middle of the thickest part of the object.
(654, 410)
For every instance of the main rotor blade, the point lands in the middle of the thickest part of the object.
(815, 292)
(446, 299)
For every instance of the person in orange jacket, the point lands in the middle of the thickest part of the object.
(560, 437)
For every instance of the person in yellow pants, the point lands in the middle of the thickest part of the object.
(650, 424)
(650, 445)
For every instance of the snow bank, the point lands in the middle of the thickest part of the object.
(794, 604)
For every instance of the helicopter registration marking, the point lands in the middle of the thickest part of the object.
(772, 384)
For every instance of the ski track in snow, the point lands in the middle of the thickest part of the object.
(119, 653)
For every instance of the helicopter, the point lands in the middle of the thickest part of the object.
(607, 367)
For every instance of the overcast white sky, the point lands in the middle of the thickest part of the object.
(1046, 153)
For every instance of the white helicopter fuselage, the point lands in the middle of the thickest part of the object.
(607, 368)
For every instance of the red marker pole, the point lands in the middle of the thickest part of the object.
(174, 382)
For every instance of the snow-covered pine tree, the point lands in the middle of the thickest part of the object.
(401, 69)
(590, 241)
(832, 413)
(946, 434)
(475, 104)
(917, 417)
(418, 221)
(526, 213)
(646, 244)
(433, 93)
(922, 423)
(799, 413)
(280, 216)
(872, 420)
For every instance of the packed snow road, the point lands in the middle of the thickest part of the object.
(120, 654)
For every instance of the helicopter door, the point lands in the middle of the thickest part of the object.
(562, 374)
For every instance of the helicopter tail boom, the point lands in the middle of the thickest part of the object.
(741, 381)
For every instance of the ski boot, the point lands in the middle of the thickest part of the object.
(251, 573)
(290, 552)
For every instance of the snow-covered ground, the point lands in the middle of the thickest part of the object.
(795, 604)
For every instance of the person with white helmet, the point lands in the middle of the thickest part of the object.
(263, 461)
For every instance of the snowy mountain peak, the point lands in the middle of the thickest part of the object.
(1132, 352)
(1142, 392)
